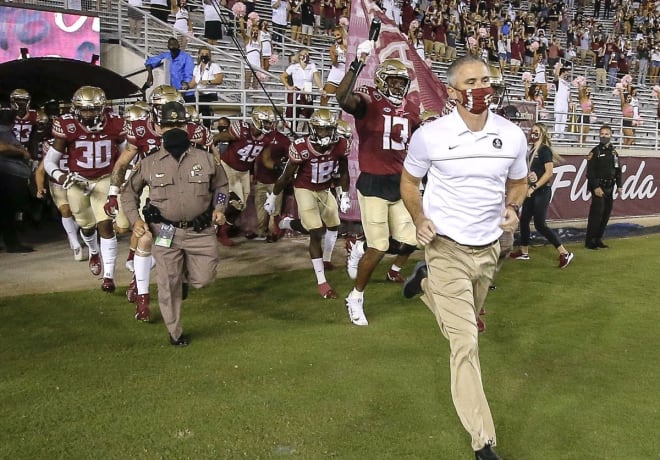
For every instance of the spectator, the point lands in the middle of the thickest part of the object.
(600, 64)
(439, 39)
(338, 62)
(181, 66)
(417, 43)
(452, 35)
(613, 69)
(655, 65)
(307, 21)
(464, 210)
(603, 173)
(296, 19)
(160, 9)
(517, 52)
(280, 13)
(135, 18)
(212, 20)
(303, 74)
(182, 23)
(642, 63)
(562, 100)
(328, 16)
(206, 75)
(15, 173)
(539, 194)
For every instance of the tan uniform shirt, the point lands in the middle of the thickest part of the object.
(181, 190)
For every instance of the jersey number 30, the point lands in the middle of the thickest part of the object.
(94, 154)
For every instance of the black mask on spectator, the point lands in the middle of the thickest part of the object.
(175, 52)
(176, 142)
(205, 59)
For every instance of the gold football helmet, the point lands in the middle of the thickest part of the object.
(20, 97)
(323, 127)
(192, 114)
(344, 129)
(264, 119)
(137, 111)
(88, 104)
(428, 115)
(392, 69)
(160, 96)
(499, 86)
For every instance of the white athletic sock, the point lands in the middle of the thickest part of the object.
(142, 273)
(91, 241)
(355, 294)
(395, 268)
(329, 241)
(71, 228)
(319, 270)
(109, 255)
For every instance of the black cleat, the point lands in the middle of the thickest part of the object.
(413, 284)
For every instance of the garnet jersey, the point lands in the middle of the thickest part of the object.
(92, 155)
(316, 170)
(383, 133)
(279, 153)
(241, 153)
(22, 128)
(141, 134)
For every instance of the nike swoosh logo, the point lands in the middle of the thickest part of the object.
(452, 147)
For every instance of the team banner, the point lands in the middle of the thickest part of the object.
(425, 88)
(637, 197)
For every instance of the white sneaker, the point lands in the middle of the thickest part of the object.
(130, 266)
(355, 311)
(79, 254)
(355, 253)
(285, 223)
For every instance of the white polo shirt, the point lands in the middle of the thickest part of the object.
(467, 173)
(279, 13)
(302, 78)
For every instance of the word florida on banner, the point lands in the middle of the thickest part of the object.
(426, 90)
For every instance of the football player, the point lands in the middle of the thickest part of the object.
(26, 118)
(93, 137)
(384, 121)
(246, 142)
(313, 160)
(57, 192)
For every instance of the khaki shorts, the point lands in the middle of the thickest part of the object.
(88, 209)
(239, 183)
(317, 208)
(382, 219)
(58, 194)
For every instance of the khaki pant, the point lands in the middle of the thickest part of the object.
(455, 290)
(88, 209)
(317, 209)
(239, 183)
(382, 219)
(263, 219)
(198, 253)
(601, 78)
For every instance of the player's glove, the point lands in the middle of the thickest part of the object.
(73, 178)
(111, 206)
(344, 203)
(269, 205)
(365, 48)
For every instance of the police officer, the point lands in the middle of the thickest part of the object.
(188, 195)
(603, 172)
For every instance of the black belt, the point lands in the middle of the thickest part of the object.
(476, 248)
(180, 224)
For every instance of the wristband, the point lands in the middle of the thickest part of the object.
(57, 175)
(113, 190)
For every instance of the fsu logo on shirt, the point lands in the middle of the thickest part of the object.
(140, 131)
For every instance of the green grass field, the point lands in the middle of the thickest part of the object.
(569, 361)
